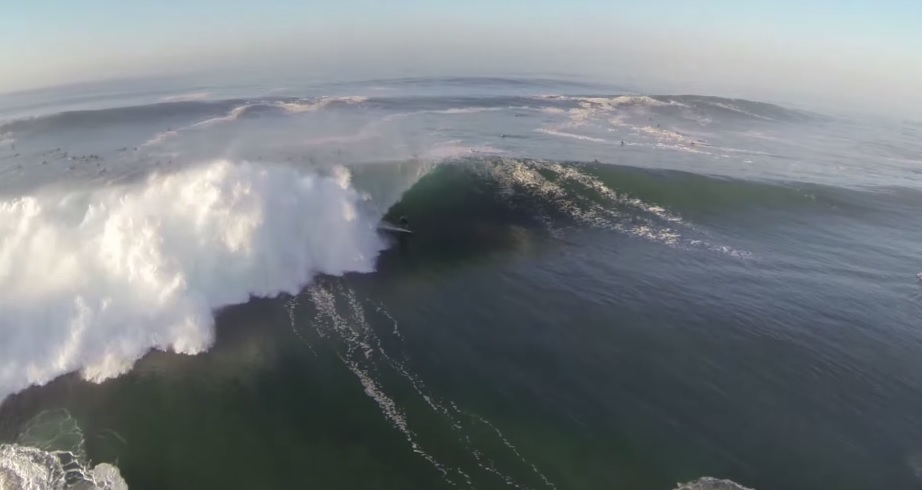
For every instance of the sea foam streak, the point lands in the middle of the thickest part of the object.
(90, 281)
(50, 453)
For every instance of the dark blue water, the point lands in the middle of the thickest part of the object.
(730, 293)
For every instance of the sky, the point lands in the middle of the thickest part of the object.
(862, 53)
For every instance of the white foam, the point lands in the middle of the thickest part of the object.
(733, 108)
(630, 100)
(92, 280)
(644, 220)
(564, 134)
(634, 100)
(231, 116)
(160, 138)
(49, 454)
(188, 97)
(709, 483)
(598, 108)
(163, 136)
(23, 467)
(315, 105)
(665, 135)
(469, 110)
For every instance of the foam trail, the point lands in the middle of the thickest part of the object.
(50, 454)
(90, 281)
(709, 483)
(357, 336)
(364, 355)
(555, 132)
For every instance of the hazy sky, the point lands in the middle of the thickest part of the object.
(868, 52)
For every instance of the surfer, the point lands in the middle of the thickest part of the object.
(402, 241)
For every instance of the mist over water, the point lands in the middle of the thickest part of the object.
(602, 289)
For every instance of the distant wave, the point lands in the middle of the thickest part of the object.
(579, 108)
(697, 107)
(621, 100)
(721, 107)
(242, 110)
(119, 116)
(212, 111)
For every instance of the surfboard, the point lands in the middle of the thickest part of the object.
(385, 226)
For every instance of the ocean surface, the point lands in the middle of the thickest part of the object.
(603, 290)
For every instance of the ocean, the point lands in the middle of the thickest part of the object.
(603, 289)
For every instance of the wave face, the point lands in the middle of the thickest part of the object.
(91, 281)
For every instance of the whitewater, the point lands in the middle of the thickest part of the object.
(101, 277)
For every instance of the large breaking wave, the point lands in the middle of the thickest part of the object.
(90, 281)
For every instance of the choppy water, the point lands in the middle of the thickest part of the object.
(602, 290)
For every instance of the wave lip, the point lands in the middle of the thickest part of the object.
(90, 282)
